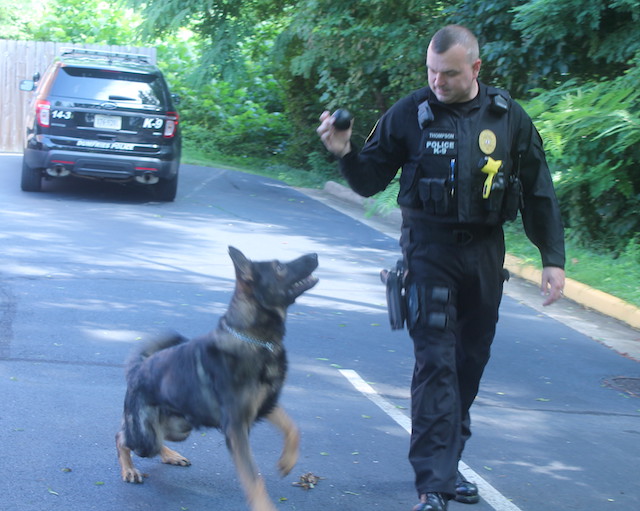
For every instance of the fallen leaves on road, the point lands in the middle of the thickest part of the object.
(307, 481)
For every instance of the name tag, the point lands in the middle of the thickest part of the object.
(441, 142)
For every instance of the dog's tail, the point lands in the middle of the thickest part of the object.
(148, 348)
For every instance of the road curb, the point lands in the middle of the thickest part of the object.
(581, 293)
(578, 292)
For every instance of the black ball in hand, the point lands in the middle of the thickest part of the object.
(342, 119)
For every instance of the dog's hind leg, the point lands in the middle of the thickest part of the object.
(130, 474)
(252, 482)
(280, 419)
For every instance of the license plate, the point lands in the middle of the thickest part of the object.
(110, 122)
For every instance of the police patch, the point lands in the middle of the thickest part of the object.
(441, 142)
(487, 141)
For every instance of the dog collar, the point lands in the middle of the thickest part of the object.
(265, 344)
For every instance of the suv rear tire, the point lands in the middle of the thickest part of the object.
(31, 178)
(165, 190)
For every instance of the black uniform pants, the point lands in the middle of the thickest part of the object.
(449, 358)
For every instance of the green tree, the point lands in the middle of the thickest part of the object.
(14, 17)
(358, 54)
(232, 103)
(226, 28)
(543, 43)
(86, 21)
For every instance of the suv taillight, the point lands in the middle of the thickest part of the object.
(43, 113)
(171, 124)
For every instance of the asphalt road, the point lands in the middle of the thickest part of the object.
(89, 269)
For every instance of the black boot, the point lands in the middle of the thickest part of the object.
(432, 501)
(466, 492)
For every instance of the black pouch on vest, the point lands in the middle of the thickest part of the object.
(495, 200)
(434, 194)
(512, 200)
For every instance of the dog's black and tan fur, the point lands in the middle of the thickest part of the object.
(227, 379)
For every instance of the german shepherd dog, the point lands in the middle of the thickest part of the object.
(227, 379)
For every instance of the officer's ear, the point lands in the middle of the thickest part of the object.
(476, 67)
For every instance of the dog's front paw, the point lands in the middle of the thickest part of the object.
(132, 475)
(172, 457)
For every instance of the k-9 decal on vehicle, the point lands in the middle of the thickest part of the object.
(152, 123)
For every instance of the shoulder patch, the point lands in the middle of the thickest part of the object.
(373, 130)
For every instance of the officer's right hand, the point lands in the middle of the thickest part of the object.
(336, 141)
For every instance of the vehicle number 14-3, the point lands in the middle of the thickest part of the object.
(61, 114)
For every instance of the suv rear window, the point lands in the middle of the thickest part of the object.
(103, 85)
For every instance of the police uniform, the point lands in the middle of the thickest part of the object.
(466, 169)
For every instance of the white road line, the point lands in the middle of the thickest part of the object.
(489, 494)
(204, 183)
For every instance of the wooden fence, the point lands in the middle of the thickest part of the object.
(19, 60)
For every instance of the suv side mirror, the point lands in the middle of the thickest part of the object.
(176, 98)
(27, 85)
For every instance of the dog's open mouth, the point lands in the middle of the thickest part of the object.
(302, 285)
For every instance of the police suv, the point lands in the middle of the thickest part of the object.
(102, 115)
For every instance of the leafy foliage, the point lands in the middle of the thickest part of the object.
(225, 27)
(594, 131)
(225, 118)
(362, 55)
(14, 18)
(85, 21)
(542, 43)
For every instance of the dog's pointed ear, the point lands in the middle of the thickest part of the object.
(241, 264)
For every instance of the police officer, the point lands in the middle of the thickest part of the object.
(471, 159)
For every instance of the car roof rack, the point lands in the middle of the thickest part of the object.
(111, 55)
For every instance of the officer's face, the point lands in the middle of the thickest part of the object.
(452, 77)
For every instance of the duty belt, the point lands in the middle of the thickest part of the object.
(445, 234)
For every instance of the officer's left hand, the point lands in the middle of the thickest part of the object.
(552, 284)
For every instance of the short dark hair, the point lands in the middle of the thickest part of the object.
(453, 35)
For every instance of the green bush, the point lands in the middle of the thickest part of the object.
(227, 119)
(592, 135)
(243, 117)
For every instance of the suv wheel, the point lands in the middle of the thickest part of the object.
(31, 178)
(165, 190)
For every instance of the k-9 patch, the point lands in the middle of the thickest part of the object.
(441, 142)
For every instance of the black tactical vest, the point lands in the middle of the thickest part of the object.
(463, 166)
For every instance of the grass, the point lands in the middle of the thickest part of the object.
(619, 276)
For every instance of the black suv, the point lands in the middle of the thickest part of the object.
(102, 115)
